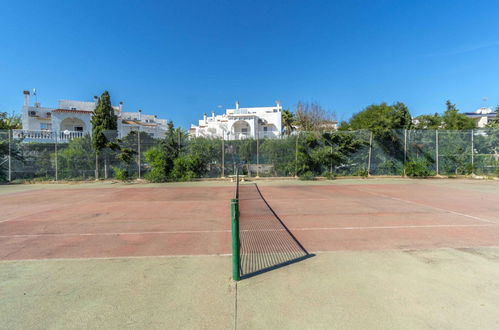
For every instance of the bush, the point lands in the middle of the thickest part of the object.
(330, 176)
(469, 169)
(157, 162)
(361, 172)
(417, 168)
(121, 174)
(307, 176)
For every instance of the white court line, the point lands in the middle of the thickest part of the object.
(120, 233)
(394, 227)
(118, 258)
(253, 231)
(428, 206)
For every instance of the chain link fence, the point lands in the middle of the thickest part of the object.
(49, 156)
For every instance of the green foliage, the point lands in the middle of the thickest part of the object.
(389, 167)
(157, 160)
(76, 159)
(381, 118)
(307, 176)
(104, 119)
(187, 168)
(428, 122)
(361, 172)
(450, 120)
(454, 120)
(121, 174)
(417, 168)
(329, 176)
(287, 121)
(12, 121)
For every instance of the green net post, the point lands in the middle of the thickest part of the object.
(235, 239)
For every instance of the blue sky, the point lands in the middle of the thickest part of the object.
(179, 59)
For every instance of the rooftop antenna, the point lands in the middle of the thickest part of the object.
(36, 96)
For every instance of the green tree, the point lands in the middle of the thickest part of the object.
(429, 122)
(381, 118)
(452, 119)
(12, 121)
(104, 120)
(162, 158)
(76, 160)
(287, 121)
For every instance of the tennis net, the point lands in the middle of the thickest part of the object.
(265, 241)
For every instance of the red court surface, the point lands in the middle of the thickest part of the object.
(162, 221)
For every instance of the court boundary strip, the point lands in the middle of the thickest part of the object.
(261, 230)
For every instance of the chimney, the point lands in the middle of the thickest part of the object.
(278, 103)
(237, 105)
(140, 115)
(213, 115)
(26, 98)
(204, 117)
(120, 107)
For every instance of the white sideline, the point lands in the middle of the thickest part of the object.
(259, 230)
(428, 206)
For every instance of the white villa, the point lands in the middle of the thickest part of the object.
(240, 123)
(73, 119)
(482, 115)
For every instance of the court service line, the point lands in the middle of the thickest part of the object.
(118, 258)
(120, 233)
(228, 231)
(393, 227)
(428, 206)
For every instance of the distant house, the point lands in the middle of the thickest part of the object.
(482, 115)
(241, 123)
(73, 119)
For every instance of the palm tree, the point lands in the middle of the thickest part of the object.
(287, 121)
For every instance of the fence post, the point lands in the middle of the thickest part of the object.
(331, 161)
(405, 149)
(10, 154)
(138, 152)
(296, 155)
(56, 158)
(370, 151)
(235, 240)
(472, 152)
(436, 149)
(223, 155)
(257, 155)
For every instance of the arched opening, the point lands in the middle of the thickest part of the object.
(72, 124)
(241, 129)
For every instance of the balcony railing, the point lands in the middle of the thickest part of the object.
(46, 135)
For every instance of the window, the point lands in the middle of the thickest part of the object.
(78, 128)
(73, 108)
(45, 126)
(244, 130)
(265, 128)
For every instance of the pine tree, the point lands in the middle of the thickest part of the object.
(104, 119)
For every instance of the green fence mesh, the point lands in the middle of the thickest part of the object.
(28, 155)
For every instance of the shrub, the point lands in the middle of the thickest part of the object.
(361, 172)
(417, 168)
(330, 176)
(121, 174)
(307, 176)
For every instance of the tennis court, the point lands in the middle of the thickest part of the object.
(162, 224)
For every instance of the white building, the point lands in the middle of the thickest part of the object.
(241, 123)
(73, 119)
(482, 115)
